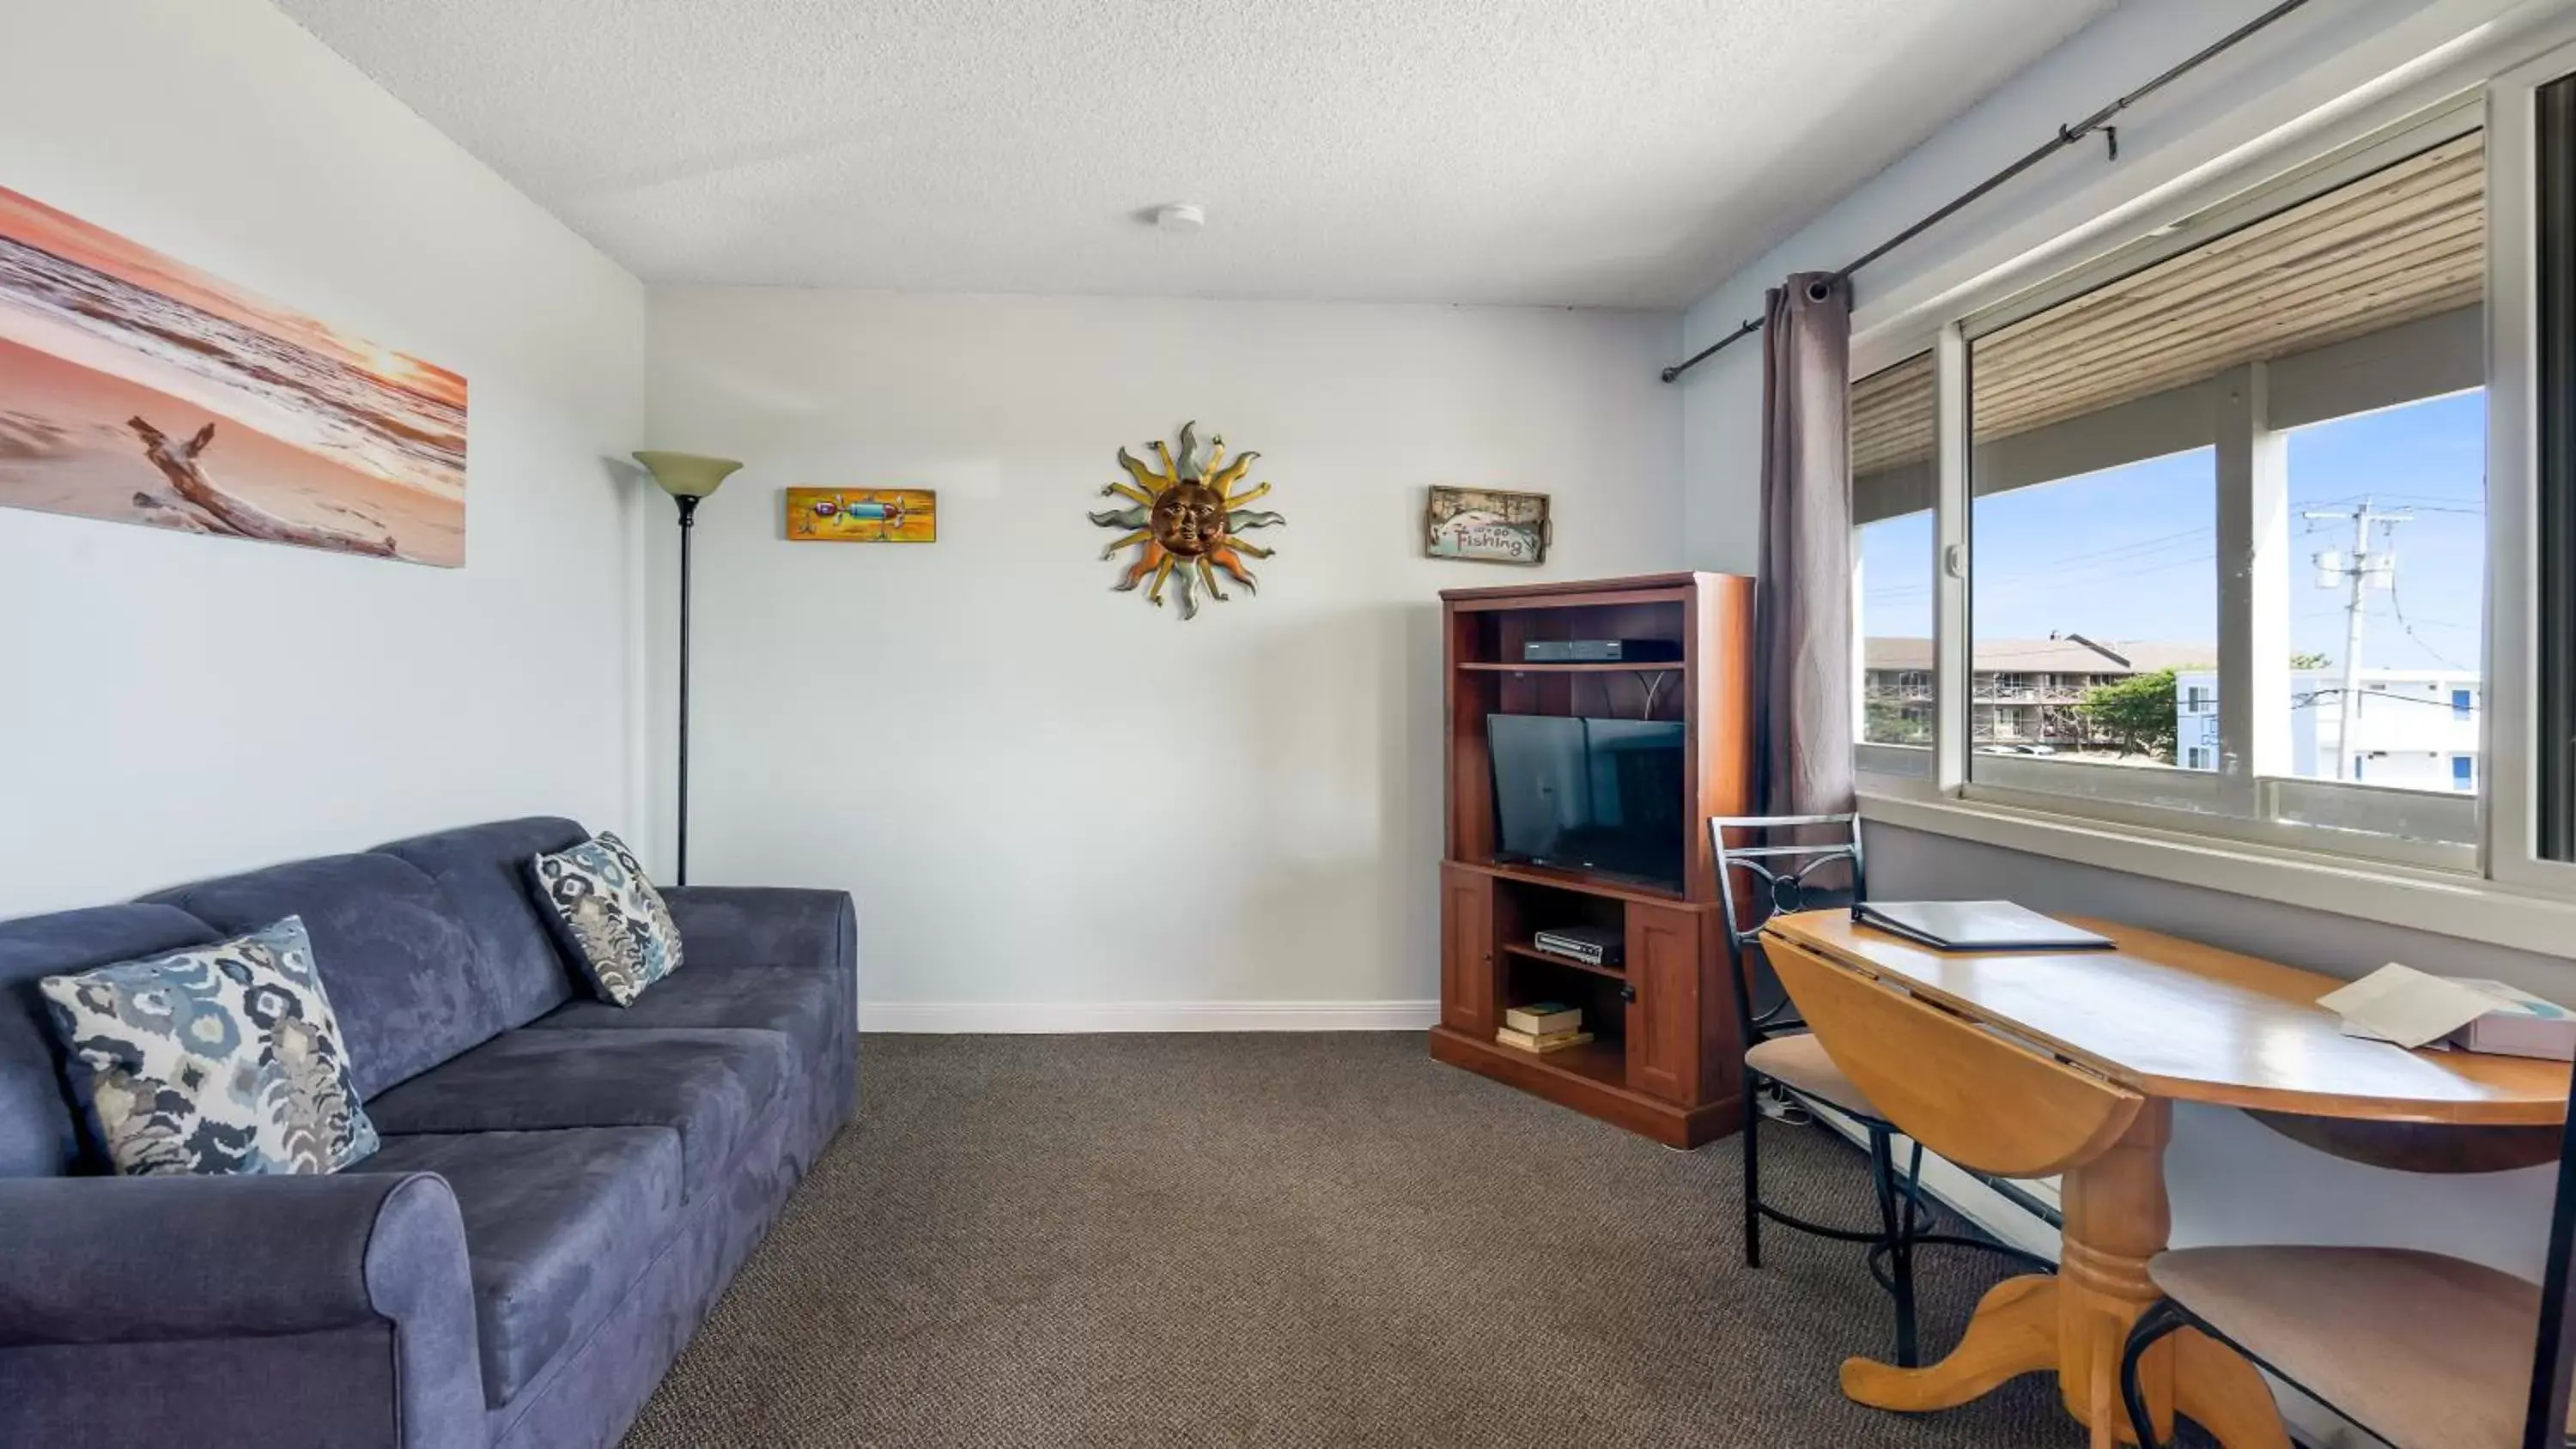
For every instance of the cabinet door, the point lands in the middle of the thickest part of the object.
(1467, 950)
(1664, 1012)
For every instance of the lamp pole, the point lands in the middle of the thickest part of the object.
(688, 478)
(688, 530)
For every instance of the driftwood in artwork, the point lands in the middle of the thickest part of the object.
(229, 515)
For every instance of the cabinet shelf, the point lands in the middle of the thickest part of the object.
(1530, 950)
(1603, 1059)
(1571, 880)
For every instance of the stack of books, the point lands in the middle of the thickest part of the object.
(1545, 1027)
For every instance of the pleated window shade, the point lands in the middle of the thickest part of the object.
(2404, 243)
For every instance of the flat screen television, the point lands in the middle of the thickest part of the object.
(1601, 795)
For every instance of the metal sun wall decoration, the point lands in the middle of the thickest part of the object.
(1186, 520)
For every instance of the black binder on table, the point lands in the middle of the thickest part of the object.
(1976, 926)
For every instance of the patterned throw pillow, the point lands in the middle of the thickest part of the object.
(609, 916)
(216, 1059)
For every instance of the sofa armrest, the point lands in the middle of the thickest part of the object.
(95, 1262)
(733, 926)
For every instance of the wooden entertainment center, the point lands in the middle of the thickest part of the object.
(1666, 1060)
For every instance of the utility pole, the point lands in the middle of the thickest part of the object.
(2364, 569)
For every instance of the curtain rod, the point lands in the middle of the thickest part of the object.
(2066, 136)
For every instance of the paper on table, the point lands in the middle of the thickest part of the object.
(2403, 1005)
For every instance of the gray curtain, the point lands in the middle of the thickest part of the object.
(1803, 622)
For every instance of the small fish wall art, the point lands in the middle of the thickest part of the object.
(862, 515)
(1186, 520)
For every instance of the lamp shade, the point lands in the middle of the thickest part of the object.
(686, 475)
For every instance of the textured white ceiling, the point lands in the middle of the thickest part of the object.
(1579, 152)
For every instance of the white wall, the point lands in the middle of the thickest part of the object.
(1043, 792)
(173, 706)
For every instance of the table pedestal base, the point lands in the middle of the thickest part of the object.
(2077, 1322)
(2022, 1326)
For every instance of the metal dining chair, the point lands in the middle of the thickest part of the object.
(2422, 1350)
(1801, 863)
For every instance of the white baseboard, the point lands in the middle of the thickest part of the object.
(1106, 1016)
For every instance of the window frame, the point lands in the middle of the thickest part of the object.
(2452, 830)
(2510, 784)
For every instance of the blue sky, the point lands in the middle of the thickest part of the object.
(2130, 553)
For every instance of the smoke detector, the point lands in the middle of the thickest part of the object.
(1181, 217)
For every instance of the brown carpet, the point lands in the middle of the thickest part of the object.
(1289, 1240)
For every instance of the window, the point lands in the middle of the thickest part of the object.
(2387, 569)
(2295, 380)
(2366, 543)
(1892, 518)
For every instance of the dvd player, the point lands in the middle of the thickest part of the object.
(1599, 651)
(1592, 945)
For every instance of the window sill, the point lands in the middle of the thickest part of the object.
(2441, 902)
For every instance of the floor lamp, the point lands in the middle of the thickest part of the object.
(688, 478)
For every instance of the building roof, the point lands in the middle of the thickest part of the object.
(2045, 656)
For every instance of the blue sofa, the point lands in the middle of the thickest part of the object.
(564, 1189)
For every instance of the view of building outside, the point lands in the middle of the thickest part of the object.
(2037, 696)
(2414, 729)
(1892, 489)
(1896, 615)
(2088, 591)
(2147, 572)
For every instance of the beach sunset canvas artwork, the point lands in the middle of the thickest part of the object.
(136, 388)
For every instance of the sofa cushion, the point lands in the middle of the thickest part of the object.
(401, 968)
(213, 1059)
(797, 1004)
(611, 921)
(558, 1225)
(484, 871)
(710, 1085)
(40, 1131)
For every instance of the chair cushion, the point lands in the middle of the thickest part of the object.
(2415, 1347)
(402, 970)
(557, 1226)
(708, 1084)
(798, 1004)
(1800, 1064)
(484, 871)
(612, 922)
(40, 1132)
(213, 1059)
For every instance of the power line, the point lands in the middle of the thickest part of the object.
(2399, 609)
